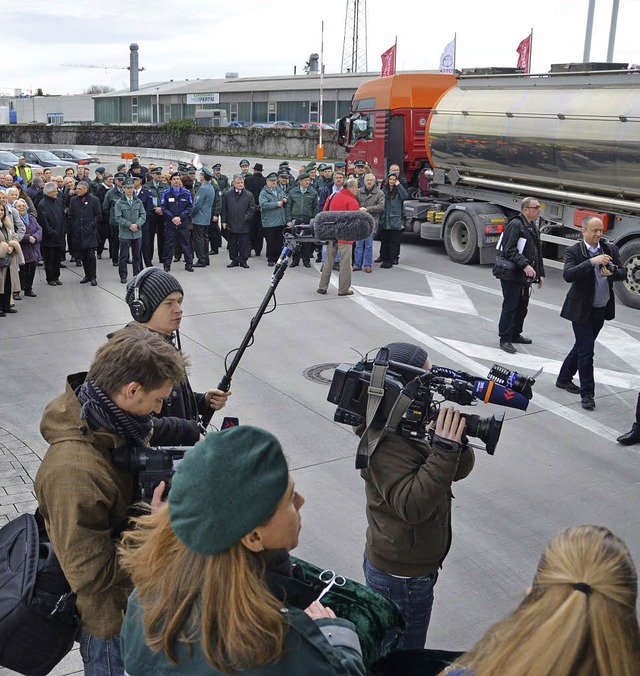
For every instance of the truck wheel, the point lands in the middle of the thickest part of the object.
(461, 238)
(628, 292)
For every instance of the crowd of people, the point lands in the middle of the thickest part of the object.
(142, 212)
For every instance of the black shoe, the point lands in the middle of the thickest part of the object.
(52, 284)
(85, 280)
(506, 346)
(176, 259)
(58, 282)
(386, 266)
(588, 404)
(94, 282)
(569, 386)
(11, 311)
(3, 313)
(378, 260)
(396, 261)
(306, 264)
(271, 263)
(233, 264)
(166, 268)
(99, 257)
(78, 263)
(188, 268)
(319, 258)
(200, 265)
(16, 295)
(62, 265)
(244, 265)
(114, 263)
(631, 437)
(336, 267)
(523, 340)
(213, 252)
(123, 280)
(30, 294)
(294, 264)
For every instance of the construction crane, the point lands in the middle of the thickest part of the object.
(97, 65)
(354, 46)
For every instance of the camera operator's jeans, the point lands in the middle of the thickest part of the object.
(414, 597)
(101, 656)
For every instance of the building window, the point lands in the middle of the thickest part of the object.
(134, 109)
(55, 118)
(167, 112)
(233, 111)
(272, 114)
(314, 111)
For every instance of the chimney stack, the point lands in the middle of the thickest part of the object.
(133, 68)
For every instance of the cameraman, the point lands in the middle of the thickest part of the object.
(84, 499)
(408, 491)
(162, 295)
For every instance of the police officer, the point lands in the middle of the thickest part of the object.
(201, 215)
(109, 215)
(155, 218)
(176, 206)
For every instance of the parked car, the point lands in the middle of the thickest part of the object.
(316, 125)
(263, 125)
(238, 123)
(8, 159)
(44, 158)
(288, 124)
(77, 156)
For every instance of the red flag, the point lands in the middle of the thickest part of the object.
(389, 62)
(524, 54)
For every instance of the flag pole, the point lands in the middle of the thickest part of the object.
(455, 46)
(530, 51)
(395, 55)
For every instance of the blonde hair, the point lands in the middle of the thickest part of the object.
(222, 599)
(579, 618)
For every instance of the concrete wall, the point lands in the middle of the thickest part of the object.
(211, 141)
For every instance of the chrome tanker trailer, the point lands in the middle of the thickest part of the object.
(571, 139)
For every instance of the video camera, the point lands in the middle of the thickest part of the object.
(408, 404)
(150, 465)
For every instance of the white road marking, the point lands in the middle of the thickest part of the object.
(621, 344)
(473, 366)
(446, 296)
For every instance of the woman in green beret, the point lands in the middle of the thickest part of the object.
(215, 590)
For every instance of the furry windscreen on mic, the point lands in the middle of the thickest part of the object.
(350, 226)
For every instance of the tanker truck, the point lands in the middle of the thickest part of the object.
(471, 147)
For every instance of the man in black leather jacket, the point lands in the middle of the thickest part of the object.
(177, 422)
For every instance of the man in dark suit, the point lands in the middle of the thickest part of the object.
(238, 206)
(521, 245)
(590, 266)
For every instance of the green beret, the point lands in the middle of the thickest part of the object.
(310, 166)
(272, 176)
(227, 485)
(303, 174)
(121, 166)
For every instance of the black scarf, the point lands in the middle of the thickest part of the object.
(99, 411)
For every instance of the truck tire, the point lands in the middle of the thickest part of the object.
(461, 238)
(628, 292)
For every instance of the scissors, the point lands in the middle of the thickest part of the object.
(330, 578)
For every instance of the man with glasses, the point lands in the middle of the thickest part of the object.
(521, 245)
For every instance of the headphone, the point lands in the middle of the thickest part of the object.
(138, 307)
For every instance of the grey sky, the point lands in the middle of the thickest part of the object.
(206, 40)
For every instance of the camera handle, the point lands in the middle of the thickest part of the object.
(291, 244)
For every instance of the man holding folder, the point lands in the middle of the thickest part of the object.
(520, 245)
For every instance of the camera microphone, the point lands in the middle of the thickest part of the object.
(492, 393)
(349, 226)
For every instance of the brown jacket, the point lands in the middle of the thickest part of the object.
(408, 489)
(85, 501)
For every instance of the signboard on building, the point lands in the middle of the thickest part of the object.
(203, 98)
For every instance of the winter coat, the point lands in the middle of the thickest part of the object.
(519, 228)
(109, 205)
(392, 216)
(8, 239)
(51, 219)
(580, 273)
(325, 647)
(33, 229)
(19, 229)
(223, 183)
(156, 191)
(373, 200)
(147, 200)
(273, 216)
(408, 491)
(203, 204)
(84, 215)
(126, 214)
(85, 501)
(176, 203)
(301, 207)
(237, 210)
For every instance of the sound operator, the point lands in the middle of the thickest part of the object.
(408, 491)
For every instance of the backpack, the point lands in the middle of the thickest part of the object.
(38, 618)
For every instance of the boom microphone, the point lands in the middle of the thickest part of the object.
(492, 393)
(350, 226)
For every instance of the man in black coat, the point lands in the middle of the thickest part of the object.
(85, 212)
(591, 267)
(254, 184)
(51, 218)
(238, 206)
(521, 245)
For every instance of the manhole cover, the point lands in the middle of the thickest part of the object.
(315, 373)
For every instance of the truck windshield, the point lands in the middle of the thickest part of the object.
(361, 128)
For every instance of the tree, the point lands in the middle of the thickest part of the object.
(98, 89)
(39, 92)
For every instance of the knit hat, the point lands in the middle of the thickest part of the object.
(227, 485)
(154, 285)
(406, 353)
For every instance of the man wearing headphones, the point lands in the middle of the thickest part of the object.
(155, 299)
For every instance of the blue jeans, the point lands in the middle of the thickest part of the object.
(101, 656)
(363, 255)
(580, 358)
(414, 597)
